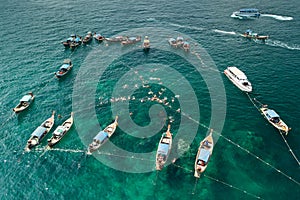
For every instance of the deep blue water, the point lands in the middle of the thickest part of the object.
(31, 51)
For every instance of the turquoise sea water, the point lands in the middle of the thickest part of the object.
(31, 51)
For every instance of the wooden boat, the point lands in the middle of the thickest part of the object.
(249, 34)
(179, 41)
(73, 41)
(64, 69)
(204, 153)
(98, 37)
(172, 42)
(238, 78)
(24, 102)
(146, 43)
(88, 38)
(164, 149)
(131, 40)
(186, 46)
(116, 39)
(103, 136)
(40, 132)
(60, 132)
(274, 119)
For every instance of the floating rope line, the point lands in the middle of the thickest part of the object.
(121, 156)
(222, 182)
(290, 150)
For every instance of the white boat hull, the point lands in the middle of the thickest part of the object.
(237, 83)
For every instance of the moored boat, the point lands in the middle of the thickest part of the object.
(98, 37)
(186, 46)
(73, 41)
(146, 43)
(179, 41)
(163, 149)
(24, 102)
(102, 136)
(203, 155)
(249, 34)
(172, 42)
(274, 119)
(131, 40)
(238, 78)
(65, 68)
(60, 132)
(116, 39)
(40, 132)
(246, 13)
(88, 38)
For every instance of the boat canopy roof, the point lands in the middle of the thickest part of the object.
(204, 155)
(249, 10)
(272, 113)
(101, 136)
(64, 66)
(26, 98)
(59, 131)
(237, 72)
(39, 131)
(163, 149)
(73, 35)
(132, 38)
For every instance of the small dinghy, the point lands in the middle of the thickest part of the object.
(40, 132)
(249, 34)
(146, 43)
(164, 149)
(73, 41)
(172, 42)
(274, 119)
(204, 153)
(60, 132)
(98, 37)
(88, 38)
(186, 46)
(24, 102)
(103, 136)
(131, 40)
(64, 69)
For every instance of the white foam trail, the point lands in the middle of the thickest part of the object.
(277, 43)
(225, 32)
(278, 17)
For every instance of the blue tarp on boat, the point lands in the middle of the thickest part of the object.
(204, 155)
(163, 149)
(101, 136)
(26, 98)
(272, 113)
(39, 131)
(64, 66)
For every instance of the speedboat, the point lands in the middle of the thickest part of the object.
(60, 132)
(146, 43)
(274, 119)
(204, 153)
(172, 42)
(238, 78)
(73, 41)
(98, 37)
(186, 46)
(40, 132)
(249, 34)
(64, 69)
(103, 136)
(24, 102)
(131, 40)
(164, 149)
(116, 39)
(246, 13)
(88, 38)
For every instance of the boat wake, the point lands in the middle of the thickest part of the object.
(225, 32)
(278, 17)
(277, 43)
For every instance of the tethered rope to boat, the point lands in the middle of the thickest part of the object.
(222, 182)
(290, 149)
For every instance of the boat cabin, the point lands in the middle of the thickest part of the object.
(100, 138)
(272, 116)
(249, 10)
(39, 132)
(238, 74)
(162, 152)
